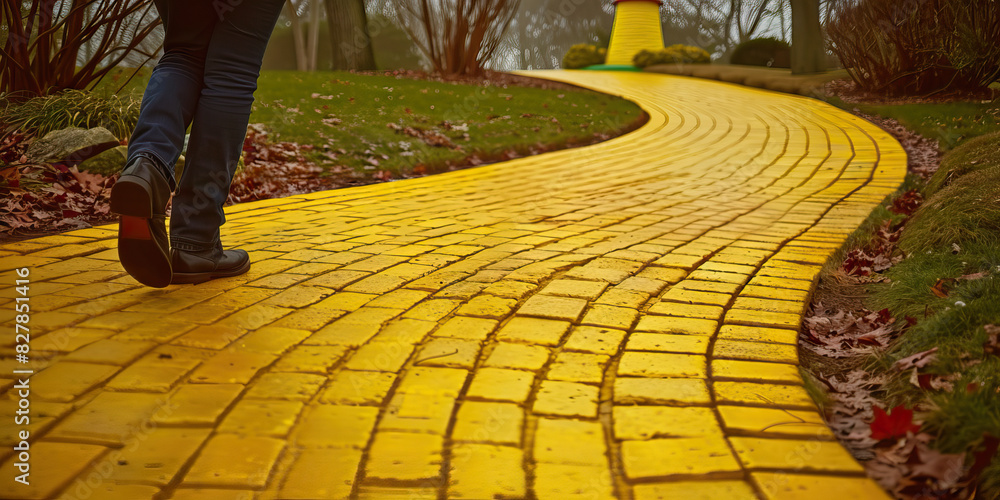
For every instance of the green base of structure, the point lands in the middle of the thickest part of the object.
(613, 67)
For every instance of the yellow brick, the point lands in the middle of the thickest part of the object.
(378, 284)
(433, 381)
(769, 395)
(794, 454)
(723, 267)
(708, 286)
(404, 456)
(648, 422)
(215, 336)
(310, 359)
(418, 413)
(679, 260)
(158, 457)
(677, 456)
(731, 278)
(310, 319)
(766, 292)
(198, 404)
(574, 288)
(358, 388)
(501, 385)
(467, 328)
(231, 367)
(487, 306)
(152, 373)
(686, 296)
(510, 289)
(785, 486)
(484, 471)
(518, 356)
(551, 307)
(762, 318)
(769, 305)
(557, 481)
(695, 490)
(567, 399)
(456, 353)
(657, 364)
(353, 424)
(399, 299)
(661, 391)
(228, 460)
(759, 334)
(63, 381)
(610, 316)
(623, 298)
(594, 339)
(578, 367)
(663, 342)
(776, 282)
(432, 310)
(299, 296)
(534, 331)
(570, 442)
(293, 386)
(670, 324)
(769, 421)
(65, 461)
(755, 351)
(112, 352)
(321, 473)
(687, 310)
(593, 273)
(271, 418)
(495, 423)
(405, 330)
(112, 491)
(369, 492)
(380, 357)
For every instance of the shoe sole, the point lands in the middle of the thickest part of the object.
(140, 254)
(195, 278)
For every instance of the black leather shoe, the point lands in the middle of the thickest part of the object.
(140, 196)
(201, 266)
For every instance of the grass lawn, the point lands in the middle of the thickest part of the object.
(400, 125)
(950, 124)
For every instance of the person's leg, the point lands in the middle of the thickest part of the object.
(232, 66)
(141, 194)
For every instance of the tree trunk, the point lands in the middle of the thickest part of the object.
(351, 43)
(315, 6)
(297, 36)
(808, 46)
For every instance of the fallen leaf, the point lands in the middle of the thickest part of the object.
(939, 288)
(898, 422)
(918, 360)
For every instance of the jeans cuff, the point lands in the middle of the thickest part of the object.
(191, 246)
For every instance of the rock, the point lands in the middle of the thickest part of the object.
(107, 163)
(71, 142)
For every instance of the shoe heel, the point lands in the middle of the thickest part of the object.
(131, 196)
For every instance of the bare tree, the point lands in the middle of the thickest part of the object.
(349, 36)
(457, 36)
(46, 41)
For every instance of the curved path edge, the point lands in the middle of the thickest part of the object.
(613, 321)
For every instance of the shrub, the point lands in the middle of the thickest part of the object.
(582, 55)
(71, 108)
(769, 52)
(674, 54)
(918, 47)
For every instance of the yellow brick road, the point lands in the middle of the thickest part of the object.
(614, 321)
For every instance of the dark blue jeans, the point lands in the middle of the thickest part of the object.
(206, 79)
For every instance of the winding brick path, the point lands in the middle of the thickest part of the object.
(613, 321)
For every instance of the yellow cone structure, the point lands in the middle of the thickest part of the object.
(637, 27)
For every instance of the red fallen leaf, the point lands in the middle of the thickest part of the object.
(896, 423)
(906, 203)
(884, 316)
(972, 387)
(69, 214)
(910, 320)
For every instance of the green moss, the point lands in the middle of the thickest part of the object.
(975, 154)
(967, 211)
